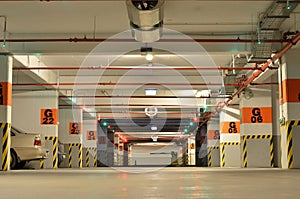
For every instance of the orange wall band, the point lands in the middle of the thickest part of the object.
(257, 115)
(291, 90)
(230, 127)
(5, 94)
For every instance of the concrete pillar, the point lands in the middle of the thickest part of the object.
(70, 135)
(276, 121)
(41, 109)
(230, 137)
(130, 163)
(102, 145)
(125, 154)
(213, 142)
(256, 130)
(118, 151)
(191, 152)
(5, 109)
(290, 106)
(180, 154)
(89, 142)
(201, 146)
(110, 148)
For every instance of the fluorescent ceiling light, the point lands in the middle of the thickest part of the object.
(154, 128)
(203, 93)
(149, 57)
(150, 91)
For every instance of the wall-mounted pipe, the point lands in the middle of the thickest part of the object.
(137, 68)
(264, 67)
(135, 97)
(4, 31)
(76, 40)
(133, 84)
(255, 74)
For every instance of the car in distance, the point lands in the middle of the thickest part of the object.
(26, 147)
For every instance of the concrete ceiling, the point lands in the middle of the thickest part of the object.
(103, 19)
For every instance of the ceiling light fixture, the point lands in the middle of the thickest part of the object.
(149, 57)
(288, 5)
(150, 91)
(203, 93)
(147, 52)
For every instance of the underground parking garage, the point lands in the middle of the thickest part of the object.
(149, 99)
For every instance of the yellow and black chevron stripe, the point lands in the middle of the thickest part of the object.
(79, 145)
(80, 156)
(54, 151)
(5, 145)
(245, 157)
(209, 158)
(258, 136)
(87, 157)
(222, 154)
(231, 143)
(289, 144)
(41, 164)
(210, 148)
(95, 157)
(213, 147)
(223, 144)
(272, 152)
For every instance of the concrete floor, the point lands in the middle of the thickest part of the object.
(137, 183)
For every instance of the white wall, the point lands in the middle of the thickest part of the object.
(89, 125)
(141, 155)
(65, 117)
(26, 111)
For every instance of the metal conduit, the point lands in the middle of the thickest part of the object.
(137, 68)
(255, 74)
(264, 67)
(75, 40)
(135, 84)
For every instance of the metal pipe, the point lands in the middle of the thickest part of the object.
(76, 40)
(116, 0)
(255, 74)
(135, 97)
(134, 84)
(114, 105)
(136, 68)
(264, 67)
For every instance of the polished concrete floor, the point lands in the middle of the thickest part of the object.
(154, 183)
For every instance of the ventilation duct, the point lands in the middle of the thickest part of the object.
(146, 19)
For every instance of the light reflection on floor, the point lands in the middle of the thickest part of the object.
(165, 183)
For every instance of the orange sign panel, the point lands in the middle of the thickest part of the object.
(5, 93)
(257, 115)
(230, 127)
(191, 146)
(49, 116)
(213, 134)
(291, 90)
(91, 135)
(75, 128)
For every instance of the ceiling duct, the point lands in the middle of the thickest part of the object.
(146, 19)
(268, 29)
